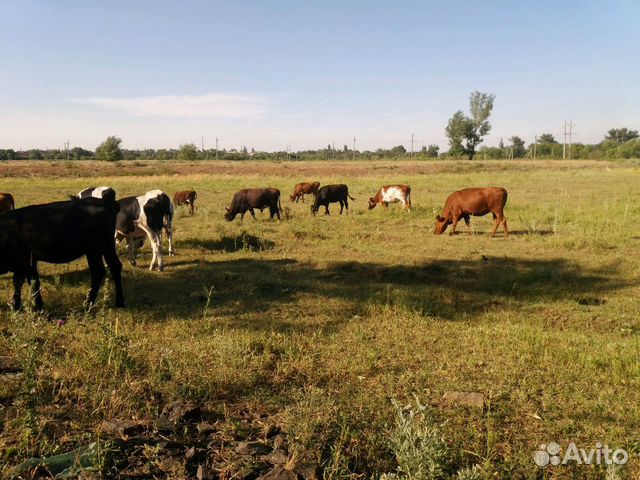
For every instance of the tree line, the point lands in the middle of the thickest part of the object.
(465, 133)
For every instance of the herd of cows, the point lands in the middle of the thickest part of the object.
(91, 223)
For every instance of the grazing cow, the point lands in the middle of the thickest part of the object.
(186, 197)
(147, 214)
(476, 202)
(302, 189)
(392, 194)
(331, 194)
(107, 193)
(250, 198)
(60, 232)
(6, 202)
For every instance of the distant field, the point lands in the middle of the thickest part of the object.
(311, 326)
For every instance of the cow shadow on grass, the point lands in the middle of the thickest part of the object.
(284, 294)
(243, 241)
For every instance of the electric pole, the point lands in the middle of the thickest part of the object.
(353, 153)
(412, 146)
(564, 144)
(66, 146)
(570, 134)
(216, 148)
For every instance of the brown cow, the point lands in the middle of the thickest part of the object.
(6, 202)
(476, 202)
(302, 189)
(186, 197)
(392, 194)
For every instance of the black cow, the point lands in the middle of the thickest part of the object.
(106, 193)
(331, 194)
(147, 214)
(60, 232)
(250, 198)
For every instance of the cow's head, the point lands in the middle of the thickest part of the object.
(314, 208)
(229, 215)
(441, 224)
(372, 203)
(292, 197)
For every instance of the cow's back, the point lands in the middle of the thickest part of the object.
(477, 200)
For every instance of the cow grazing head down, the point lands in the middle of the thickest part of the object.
(229, 216)
(372, 203)
(441, 224)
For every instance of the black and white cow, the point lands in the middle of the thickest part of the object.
(147, 214)
(60, 232)
(106, 193)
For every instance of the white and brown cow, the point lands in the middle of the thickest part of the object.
(392, 194)
(147, 214)
(106, 193)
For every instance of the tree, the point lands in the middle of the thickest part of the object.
(547, 138)
(470, 129)
(621, 135)
(457, 130)
(432, 151)
(109, 150)
(187, 151)
(517, 147)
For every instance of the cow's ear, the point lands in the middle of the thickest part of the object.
(439, 218)
(226, 208)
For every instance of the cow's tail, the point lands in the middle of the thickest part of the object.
(350, 195)
(279, 205)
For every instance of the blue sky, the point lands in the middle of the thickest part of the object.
(268, 74)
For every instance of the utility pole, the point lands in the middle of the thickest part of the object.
(564, 144)
(216, 148)
(570, 133)
(412, 146)
(66, 146)
(288, 152)
(333, 151)
(203, 153)
(353, 153)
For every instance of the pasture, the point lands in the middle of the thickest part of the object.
(312, 325)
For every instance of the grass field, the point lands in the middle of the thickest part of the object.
(313, 325)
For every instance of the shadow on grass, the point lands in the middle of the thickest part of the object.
(243, 241)
(248, 290)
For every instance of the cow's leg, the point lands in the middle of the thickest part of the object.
(191, 207)
(156, 247)
(326, 209)
(35, 277)
(341, 206)
(456, 219)
(496, 222)
(18, 281)
(131, 249)
(253, 213)
(468, 222)
(504, 226)
(169, 230)
(96, 267)
(115, 267)
(385, 205)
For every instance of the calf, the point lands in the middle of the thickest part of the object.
(476, 202)
(186, 197)
(60, 232)
(248, 199)
(302, 189)
(6, 202)
(392, 194)
(106, 193)
(331, 194)
(147, 214)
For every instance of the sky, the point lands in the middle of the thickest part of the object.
(304, 74)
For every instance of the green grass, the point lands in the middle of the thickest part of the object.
(315, 324)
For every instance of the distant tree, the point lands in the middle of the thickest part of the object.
(432, 151)
(35, 154)
(398, 151)
(518, 147)
(547, 138)
(465, 133)
(109, 150)
(188, 151)
(457, 130)
(78, 153)
(621, 135)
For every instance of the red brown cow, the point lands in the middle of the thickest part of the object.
(476, 202)
(392, 194)
(302, 189)
(6, 202)
(186, 197)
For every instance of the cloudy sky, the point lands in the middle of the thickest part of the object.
(268, 74)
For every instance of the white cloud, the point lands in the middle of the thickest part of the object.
(210, 105)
